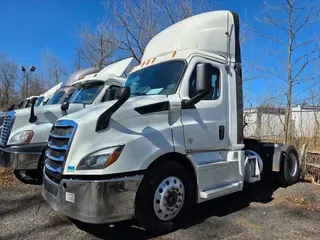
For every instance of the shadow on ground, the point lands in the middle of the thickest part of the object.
(259, 192)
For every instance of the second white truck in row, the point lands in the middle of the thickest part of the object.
(25, 132)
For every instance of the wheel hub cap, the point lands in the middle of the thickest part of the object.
(168, 198)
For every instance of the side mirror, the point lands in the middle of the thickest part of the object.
(33, 117)
(65, 106)
(123, 93)
(203, 85)
(110, 94)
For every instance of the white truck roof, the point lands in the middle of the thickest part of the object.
(31, 97)
(51, 91)
(207, 32)
(112, 71)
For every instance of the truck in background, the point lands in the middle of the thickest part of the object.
(45, 97)
(25, 132)
(173, 138)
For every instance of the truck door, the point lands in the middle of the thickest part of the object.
(206, 124)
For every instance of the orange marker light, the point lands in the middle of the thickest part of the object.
(174, 53)
(143, 64)
(148, 62)
(153, 60)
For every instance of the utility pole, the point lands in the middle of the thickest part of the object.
(31, 69)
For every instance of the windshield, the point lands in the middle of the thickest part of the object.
(159, 79)
(87, 93)
(39, 101)
(56, 97)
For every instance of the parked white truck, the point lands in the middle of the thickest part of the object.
(25, 132)
(173, 137)
(45, 97)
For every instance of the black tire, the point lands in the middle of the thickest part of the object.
(290, 174)
(144, 210)
(29, 176)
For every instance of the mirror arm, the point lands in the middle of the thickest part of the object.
(187, 103)
(33, 118)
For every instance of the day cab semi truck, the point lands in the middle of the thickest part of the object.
(45, 97)
(25, 132)
(56, 95)
(173, 136)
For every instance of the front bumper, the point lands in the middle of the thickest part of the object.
(96, 201)
(24, 157)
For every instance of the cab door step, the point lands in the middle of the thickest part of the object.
(221, 191)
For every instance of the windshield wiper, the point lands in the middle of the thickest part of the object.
(138, 94)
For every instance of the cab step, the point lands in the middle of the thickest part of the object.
(221, 191)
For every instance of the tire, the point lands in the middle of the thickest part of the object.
(147, 202)
(290, 167)
(29, 176)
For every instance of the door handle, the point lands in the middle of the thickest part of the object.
(221, 132)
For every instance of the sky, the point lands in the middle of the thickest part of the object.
(29, 28)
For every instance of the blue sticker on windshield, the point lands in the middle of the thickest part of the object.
(71, 168)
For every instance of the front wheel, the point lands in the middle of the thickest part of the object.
(164, 198)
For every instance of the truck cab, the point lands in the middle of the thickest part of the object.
(25, 132)
(172, 138)
(45, 97)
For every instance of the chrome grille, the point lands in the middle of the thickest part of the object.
(58, 146)
(6, 127)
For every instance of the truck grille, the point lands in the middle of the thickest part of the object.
(57, 148)
(6, 127)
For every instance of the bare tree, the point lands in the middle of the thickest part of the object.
(8, 79)
(96, 46)
(140, 20)
(38, 85)
(53, 67)
(289, 20)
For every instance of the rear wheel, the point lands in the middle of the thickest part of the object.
(164, 198)
(290, 167)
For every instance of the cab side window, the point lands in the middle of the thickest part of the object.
(111, 87)
(215, 82)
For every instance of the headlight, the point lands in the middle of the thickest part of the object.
(23, 137)
(100, 159)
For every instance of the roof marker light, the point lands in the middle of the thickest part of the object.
(153, 60)
(174, 53)
(143, 64)
(148, 62)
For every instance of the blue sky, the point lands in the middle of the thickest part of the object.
(30, 27)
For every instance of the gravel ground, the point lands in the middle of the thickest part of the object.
(259, 212)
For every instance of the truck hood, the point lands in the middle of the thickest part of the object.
(46, 116)
(127, 110)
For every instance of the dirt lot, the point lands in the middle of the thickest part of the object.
(259, 212)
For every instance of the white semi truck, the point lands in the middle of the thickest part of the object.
(173, 137)
(45, 97)
(25, 132)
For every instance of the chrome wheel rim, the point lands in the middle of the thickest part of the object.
(168, 198)
(293, 165)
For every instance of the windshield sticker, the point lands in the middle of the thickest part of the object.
(71, 169)
(154, 91)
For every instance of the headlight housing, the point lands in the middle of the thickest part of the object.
(23, 137)
(100, 159)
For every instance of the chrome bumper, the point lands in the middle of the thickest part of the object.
(20, 158)
(96, 201)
